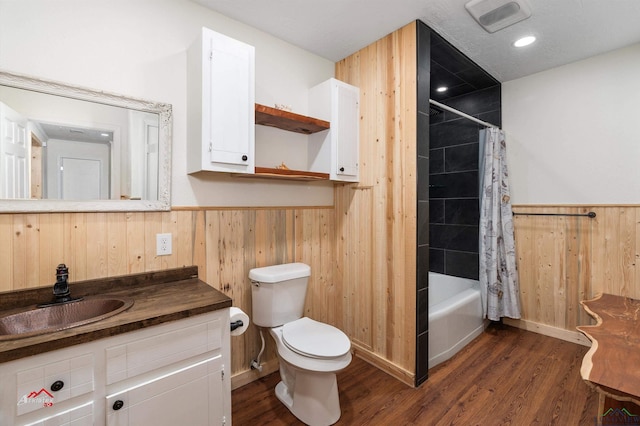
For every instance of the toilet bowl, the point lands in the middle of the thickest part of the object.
(309, 387)
(310, 352)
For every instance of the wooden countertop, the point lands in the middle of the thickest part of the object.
(159, 297)
(613, 362)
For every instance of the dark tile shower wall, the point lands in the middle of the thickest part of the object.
(454, 211)
(422, 261)
(447, 187)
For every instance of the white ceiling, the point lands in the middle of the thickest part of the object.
(567, 30)
(75, 133)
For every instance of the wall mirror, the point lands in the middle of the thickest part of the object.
(68, 148)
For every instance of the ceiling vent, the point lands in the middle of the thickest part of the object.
(494, 15)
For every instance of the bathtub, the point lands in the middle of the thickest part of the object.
(455, 315)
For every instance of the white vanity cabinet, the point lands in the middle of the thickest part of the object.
(170, 378)
(220, 104)
(173, 373)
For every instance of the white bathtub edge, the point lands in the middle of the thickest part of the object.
(443, 356)
(448, 306)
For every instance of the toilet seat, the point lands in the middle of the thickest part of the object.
(314, 339)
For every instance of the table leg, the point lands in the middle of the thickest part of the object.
(601, 399)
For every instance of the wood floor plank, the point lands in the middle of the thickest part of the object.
(506, 376)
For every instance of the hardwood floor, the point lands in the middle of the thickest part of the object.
(506, 376)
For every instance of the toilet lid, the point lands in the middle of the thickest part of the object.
(315, 339)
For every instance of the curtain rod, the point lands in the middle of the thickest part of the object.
(590, 214)
(462, 114)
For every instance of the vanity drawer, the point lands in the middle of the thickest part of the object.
(167, 345)
(35, 387)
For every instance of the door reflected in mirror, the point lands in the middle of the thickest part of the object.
(68, 148)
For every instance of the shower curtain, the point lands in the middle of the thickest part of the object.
(498, 273)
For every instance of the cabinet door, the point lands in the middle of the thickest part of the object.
(346, 125)
(337, 150)
(229, 113)
(193, 395)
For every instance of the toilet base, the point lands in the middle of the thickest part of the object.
(314, 399)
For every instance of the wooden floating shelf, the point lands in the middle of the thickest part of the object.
(292, 122)
(267, 172)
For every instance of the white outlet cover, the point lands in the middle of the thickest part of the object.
(163, 244)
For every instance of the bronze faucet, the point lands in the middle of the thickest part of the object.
(61, 293)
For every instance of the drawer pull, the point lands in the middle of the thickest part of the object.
(57, 385)
(118, 405)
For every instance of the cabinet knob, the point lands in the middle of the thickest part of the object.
(57, 385)
(118, 404)
(342, 169)
(244, 158)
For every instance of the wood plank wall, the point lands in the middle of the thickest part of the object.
(563, 260)
(376, 219)
(224, 243)
(362, 253)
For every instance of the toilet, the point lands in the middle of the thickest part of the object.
(310, 352)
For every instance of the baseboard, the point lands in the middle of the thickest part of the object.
(382, 364)
(245, 377)
(548, 330)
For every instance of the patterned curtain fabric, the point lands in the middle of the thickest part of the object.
(498, 273)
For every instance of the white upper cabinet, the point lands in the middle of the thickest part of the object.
(221, 99)
(222, 115)
(338, 103)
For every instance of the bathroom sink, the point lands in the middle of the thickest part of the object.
(32, 321)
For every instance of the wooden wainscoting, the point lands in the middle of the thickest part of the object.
(376, 219)
(93, 245)
(223, 243)
(563, 260)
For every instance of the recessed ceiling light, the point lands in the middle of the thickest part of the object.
(442, 89)
(524, 41)
(104, 134)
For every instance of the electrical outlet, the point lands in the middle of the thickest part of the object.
(163, 244)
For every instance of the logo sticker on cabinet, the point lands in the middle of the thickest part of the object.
(37, 397)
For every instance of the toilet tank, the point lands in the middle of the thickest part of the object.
(278, 292)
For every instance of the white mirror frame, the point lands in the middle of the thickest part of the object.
(74, 92)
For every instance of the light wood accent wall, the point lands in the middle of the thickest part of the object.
(223, 243)
(563, 260)
(362, 253)
(376, 218)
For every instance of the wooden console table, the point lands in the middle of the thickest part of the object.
(612, 365)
